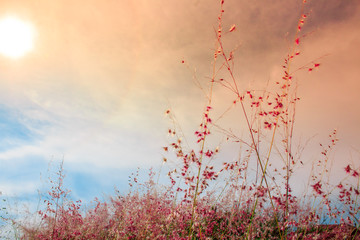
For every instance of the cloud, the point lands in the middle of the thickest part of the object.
(14, 189)
(95, 88)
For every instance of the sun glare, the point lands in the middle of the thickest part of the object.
(16, 37)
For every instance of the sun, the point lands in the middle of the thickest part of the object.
(16, 37)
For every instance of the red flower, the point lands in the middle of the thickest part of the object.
(317, 188)
(347, 169)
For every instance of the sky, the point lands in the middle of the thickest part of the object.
(94, 89)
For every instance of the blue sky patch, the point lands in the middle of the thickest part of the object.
(13, 131)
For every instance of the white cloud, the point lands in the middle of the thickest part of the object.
(19, 188)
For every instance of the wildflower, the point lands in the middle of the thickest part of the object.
(317, 188)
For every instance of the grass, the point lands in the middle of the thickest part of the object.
(207, 198)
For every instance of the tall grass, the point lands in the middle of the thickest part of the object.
(245, 204)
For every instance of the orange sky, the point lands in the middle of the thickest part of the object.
(102, 73)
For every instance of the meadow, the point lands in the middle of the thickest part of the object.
(252, 196)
